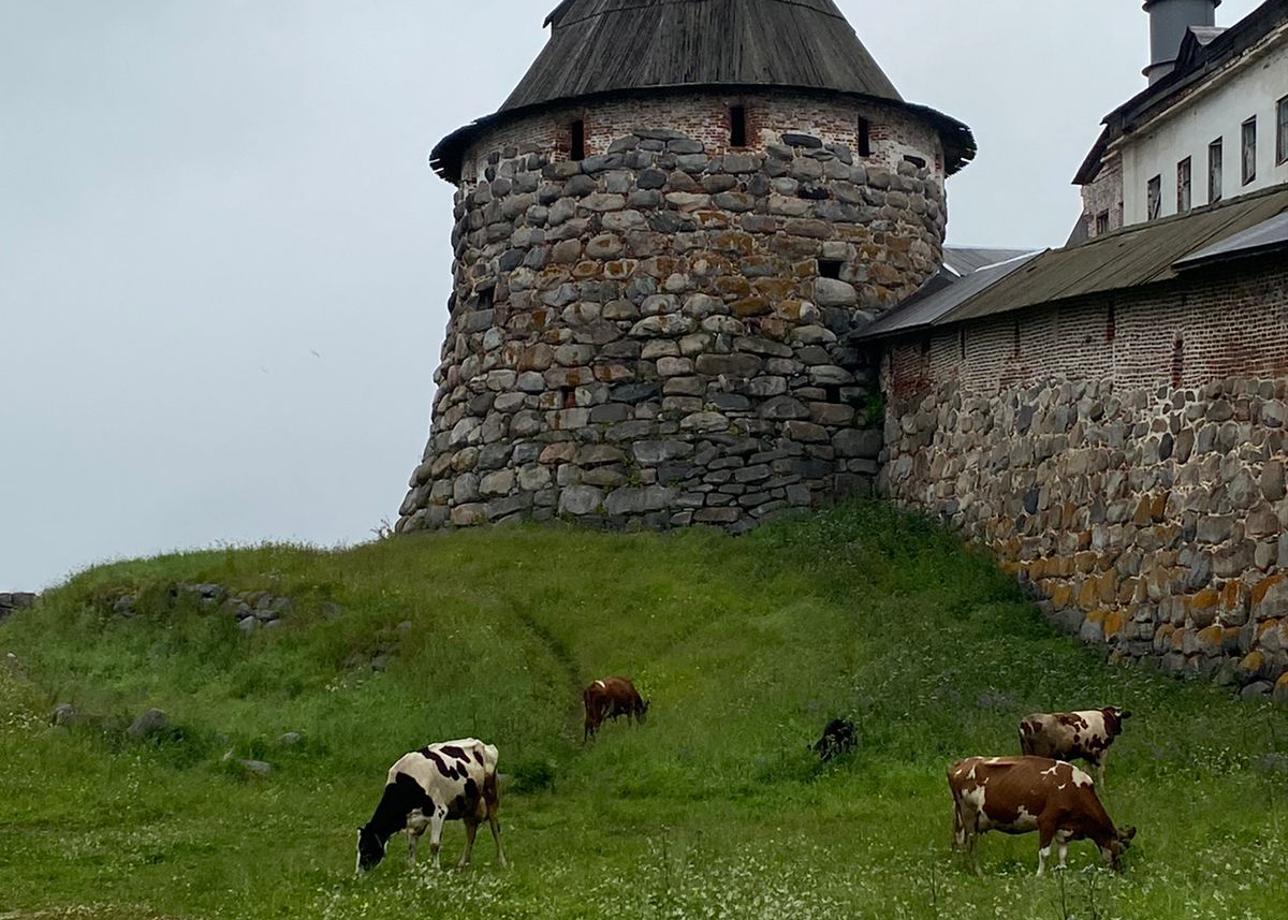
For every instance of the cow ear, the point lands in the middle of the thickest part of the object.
(1124, 714)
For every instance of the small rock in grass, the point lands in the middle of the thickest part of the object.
(1273, 763)
(256, 767)
(248, 625)
(64, 715)
(381, 662)
(290, 739)
(152, 722)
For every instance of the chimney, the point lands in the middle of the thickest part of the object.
(1169, 21)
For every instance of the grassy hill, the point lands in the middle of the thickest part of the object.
(713, 809)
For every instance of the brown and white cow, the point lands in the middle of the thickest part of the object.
(1020, 795)
(611, 698)
(452, 781)
(1070, 736)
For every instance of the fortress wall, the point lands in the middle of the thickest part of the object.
(646, 338)
(1132, 472)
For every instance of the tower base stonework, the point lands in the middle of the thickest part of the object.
(655, 337)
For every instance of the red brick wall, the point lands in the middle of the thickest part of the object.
(705, 117)
(1231, 321)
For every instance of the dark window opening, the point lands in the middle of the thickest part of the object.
(1216, 169)
(1249, 151)
(1281, 132)
(961, 341)
(1102, 223)
(1178, 362)
(568, 397)
(915, 161)
(925, 345)
(1015, 338)
(577, 141)
(865, 138)
(737, 126)
(1154, 198)
(833, 392)
(830, 268)
(1111, 324)
(487, 297)
(1184, 171)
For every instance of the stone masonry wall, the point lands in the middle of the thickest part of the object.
(647, 337)
(1142, 497)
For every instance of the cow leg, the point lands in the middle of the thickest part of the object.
(471, 828)
(1100, 772)
(436, 836)
(1063, 844)
(413, 838)
(495, 827)
(1046, 839)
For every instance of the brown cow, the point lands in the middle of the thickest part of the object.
(610, 698)
(1019, 795)
(1071, 736)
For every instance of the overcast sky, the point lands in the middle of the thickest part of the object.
(224, 261)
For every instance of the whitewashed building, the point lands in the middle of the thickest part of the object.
(1212, 125)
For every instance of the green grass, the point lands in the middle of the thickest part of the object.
(713, 809)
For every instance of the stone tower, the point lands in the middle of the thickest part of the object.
(663, 239)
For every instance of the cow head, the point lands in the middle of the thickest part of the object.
(1114, 718)
(371, 849)
(1118, 845)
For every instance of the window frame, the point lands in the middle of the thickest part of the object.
(864, 137)
(1281, 131)
(1185, 186)
(1154, 198)
(1102, 222)
(1248, 169)
(1216, 171)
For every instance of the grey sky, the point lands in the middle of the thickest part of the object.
(224, 261)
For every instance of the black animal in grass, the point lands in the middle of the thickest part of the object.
(453, 781)
(840, 737)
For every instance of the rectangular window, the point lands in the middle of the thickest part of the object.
(577, 141)
(1250, 150)
(737, 126)
(961, 341)
(865, 138)
(1111, 324)
(1184, 171)
(1281, 135)
(1154, 198)
(1102, 223)
(1216, 169)
(830, 268)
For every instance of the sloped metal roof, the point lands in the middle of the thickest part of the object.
(1268, 235)
(1132, 257)
(936, 301)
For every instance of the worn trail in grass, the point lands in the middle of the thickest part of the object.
(714, 808)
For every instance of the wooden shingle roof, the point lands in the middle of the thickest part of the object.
(604, 45)
(610, 47)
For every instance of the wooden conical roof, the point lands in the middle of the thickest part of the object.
(601, 46)
(605, 47)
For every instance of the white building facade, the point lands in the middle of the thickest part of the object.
(1212, 129)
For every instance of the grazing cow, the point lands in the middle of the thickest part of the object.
(840, 737)
(453, 781)
(1071, 736)
(1019, 795)
(610, 698)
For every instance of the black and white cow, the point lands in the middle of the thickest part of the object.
(453, 781)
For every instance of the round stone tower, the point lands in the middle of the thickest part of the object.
(663, 240)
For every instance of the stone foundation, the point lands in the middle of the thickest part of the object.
(1148, 520)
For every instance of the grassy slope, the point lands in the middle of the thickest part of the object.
(747, 647)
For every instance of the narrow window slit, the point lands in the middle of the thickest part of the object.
(577, 141)
(737, 126)
(865, 138)
(830, 268)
